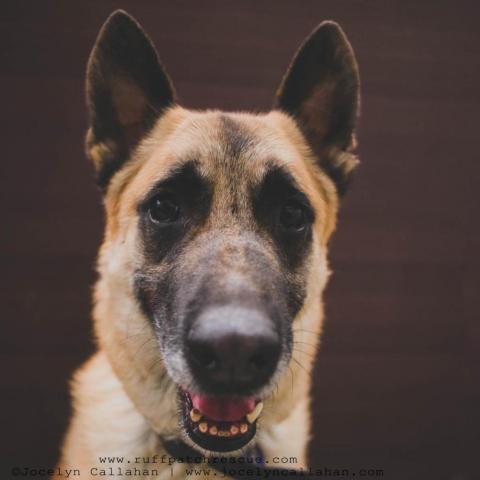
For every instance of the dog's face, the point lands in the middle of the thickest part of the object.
(217, 225)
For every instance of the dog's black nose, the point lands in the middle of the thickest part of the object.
(233, 349)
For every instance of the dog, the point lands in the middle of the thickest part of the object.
(208, 305)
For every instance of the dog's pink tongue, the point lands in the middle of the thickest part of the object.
(223, 408)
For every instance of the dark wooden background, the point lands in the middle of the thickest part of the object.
(397, 384)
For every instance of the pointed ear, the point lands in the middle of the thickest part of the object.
(321, 92)
(127, 90)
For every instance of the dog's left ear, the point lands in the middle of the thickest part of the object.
(321, 92)
(127, 90)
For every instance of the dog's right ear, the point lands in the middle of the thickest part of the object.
(127, 90)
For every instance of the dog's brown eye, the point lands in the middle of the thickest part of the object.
(293, 217)
(164, 210)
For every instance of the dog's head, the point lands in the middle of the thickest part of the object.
(214, 257)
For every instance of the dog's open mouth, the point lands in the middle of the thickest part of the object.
(220, 423)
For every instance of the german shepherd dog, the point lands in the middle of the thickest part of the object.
(208, 307)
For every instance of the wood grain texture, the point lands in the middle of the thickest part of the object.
(397, 383)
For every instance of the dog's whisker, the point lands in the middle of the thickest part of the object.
(151, 367)
(300, 365)
(303, 330)
(143, 345)
(311, 355)
(291, 377)
(304, 343)
(135, 335)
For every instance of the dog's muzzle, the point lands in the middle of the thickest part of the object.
(232, 352)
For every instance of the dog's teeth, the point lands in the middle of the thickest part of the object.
(203, 427)
(255, 413)
(234, 430)
(195, 415)
(243, 427)
(213, 430)
(224, 433)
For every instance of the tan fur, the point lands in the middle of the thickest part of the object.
(123, 398)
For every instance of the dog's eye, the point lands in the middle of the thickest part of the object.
(164, 210)
(293, 217)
